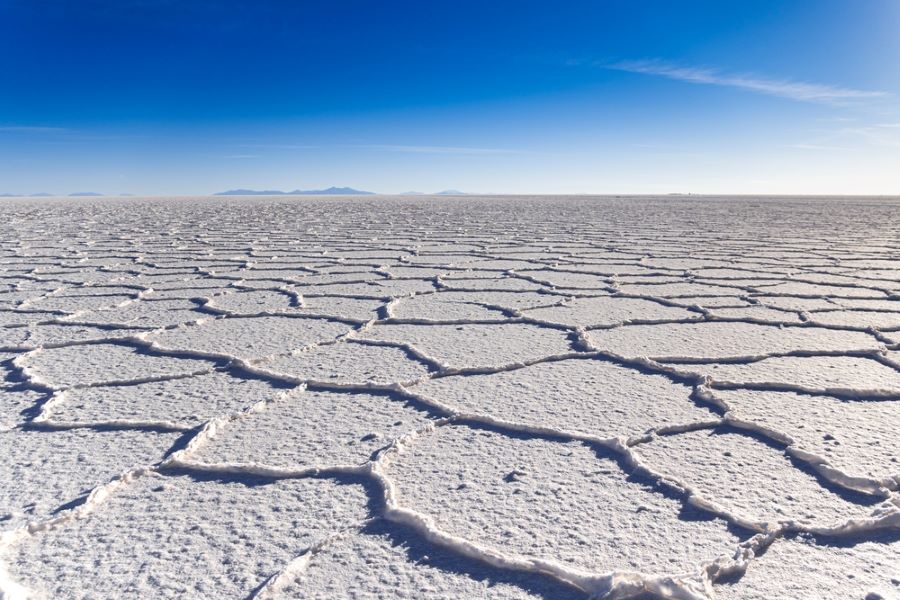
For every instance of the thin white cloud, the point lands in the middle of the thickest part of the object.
(876, 135)
(859, 137)
(784, 88)
(31, 129)
(281, 146)
(822, 147)
(390, 148)
(435, 149)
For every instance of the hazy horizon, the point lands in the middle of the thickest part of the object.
(368, 194)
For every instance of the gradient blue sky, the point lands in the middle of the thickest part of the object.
(193, 97)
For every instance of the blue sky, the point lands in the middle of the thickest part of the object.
(193, 97)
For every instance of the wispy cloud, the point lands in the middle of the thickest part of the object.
(657, 150)
(390, 148)
(877, 135)
(435, 149)
(32, 129)
(784, 88)
(281, 146)
(821, 147)
(856, 137)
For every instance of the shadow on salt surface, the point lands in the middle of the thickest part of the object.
(19, 404)
(846, 494)
(652, 483)
(218, 365)
(881, 536)
(253, 480)
(14, 382)
(180, 444)
(804, 566)
(412, 543)
(53, 467)
(420, 551)
(552, 498)
(850, 496)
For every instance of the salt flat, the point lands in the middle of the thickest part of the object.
(527, 397)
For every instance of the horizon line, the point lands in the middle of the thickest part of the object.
(77, 196)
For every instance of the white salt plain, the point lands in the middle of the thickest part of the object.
(503, 397)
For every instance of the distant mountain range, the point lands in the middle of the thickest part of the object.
(332, 191)
(444, 193)
(79, 194)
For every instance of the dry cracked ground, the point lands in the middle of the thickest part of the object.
(450, 398)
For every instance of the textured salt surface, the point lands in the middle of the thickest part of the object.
(44, 470)
(854, 377)
(377, 566)
(98, 363)
(551, 500)
(182, 402)
(589, 397)
(859, 438)
(802, 568)
(301, 431)
(187, 537)
(250, 338)
(789, 494)
(724, 340)
(593, 312)
(467, 397)
(348, 363)
(476, 345)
